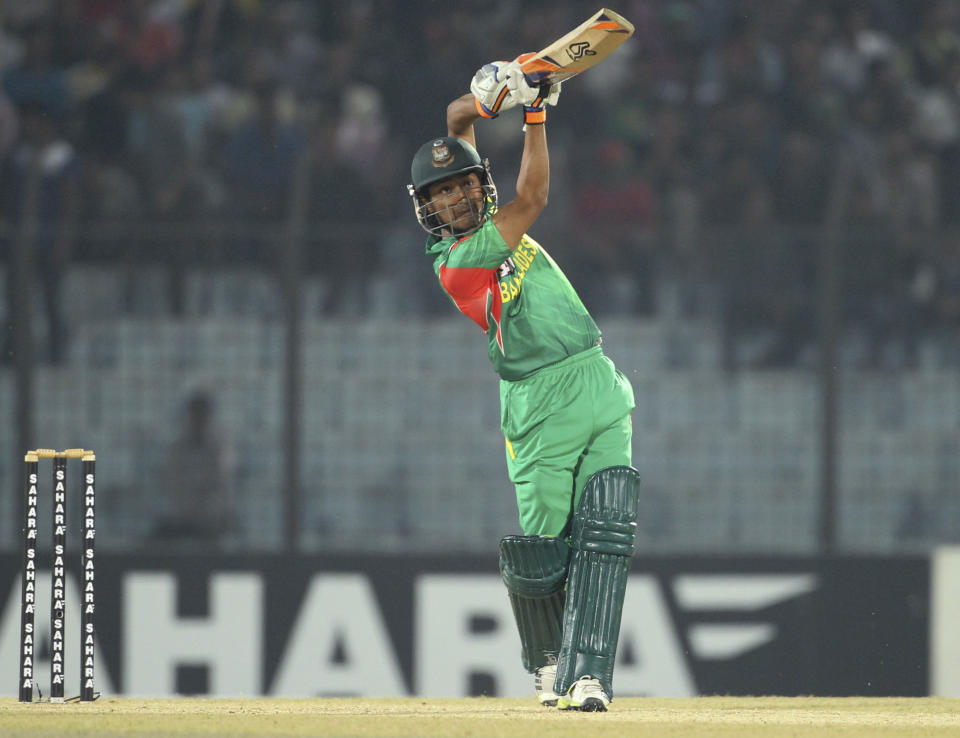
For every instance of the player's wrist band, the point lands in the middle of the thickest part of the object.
(483, 111)
(533, 114)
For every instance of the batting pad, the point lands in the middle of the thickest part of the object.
(534, 570)
(602, 543)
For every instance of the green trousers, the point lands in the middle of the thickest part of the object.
(561, 425)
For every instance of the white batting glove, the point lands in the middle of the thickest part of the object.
(520, 89)
(535, 112)
(490, 87)
(526, 92)
(502, 85)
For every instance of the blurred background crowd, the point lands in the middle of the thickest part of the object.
(724, 115)
(713, 170)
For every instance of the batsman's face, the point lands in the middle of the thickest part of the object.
(458, 201)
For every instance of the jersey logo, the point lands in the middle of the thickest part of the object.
(506, 269)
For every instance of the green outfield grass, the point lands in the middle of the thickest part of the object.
(487, 717)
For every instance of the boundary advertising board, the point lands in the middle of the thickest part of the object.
(380, 626)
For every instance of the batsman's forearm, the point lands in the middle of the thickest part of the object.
(461, 114)
(533, 181)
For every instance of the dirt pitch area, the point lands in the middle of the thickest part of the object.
(717, 717)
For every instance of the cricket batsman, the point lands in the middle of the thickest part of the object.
(565, 408)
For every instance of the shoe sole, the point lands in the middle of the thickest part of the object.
(589, 705)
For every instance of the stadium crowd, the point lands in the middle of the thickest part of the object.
(715, 155)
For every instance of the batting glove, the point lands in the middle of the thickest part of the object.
(535, 112)
(528, 88)
(490, 88)
(501, 85)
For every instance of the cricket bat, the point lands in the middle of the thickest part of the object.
(589, 43)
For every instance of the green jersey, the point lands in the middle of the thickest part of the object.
(521, 299)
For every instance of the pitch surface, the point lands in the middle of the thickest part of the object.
(507, 718)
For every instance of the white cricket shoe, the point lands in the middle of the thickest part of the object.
(586, 694)
(543, 682)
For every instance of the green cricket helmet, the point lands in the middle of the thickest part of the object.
(442, 158)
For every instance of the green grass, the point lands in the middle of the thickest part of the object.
(717, 717)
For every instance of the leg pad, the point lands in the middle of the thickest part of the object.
(534, 570)
(602, 543)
